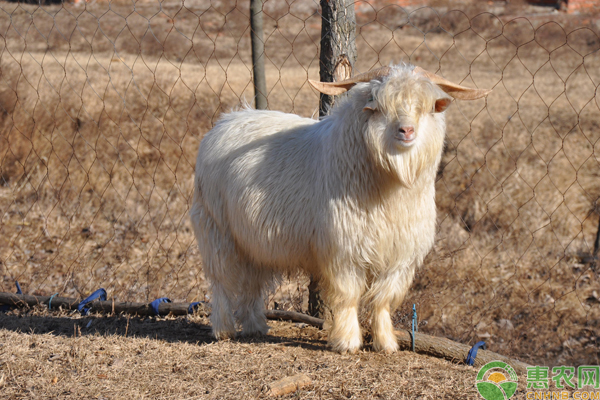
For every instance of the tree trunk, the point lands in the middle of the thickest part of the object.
(338, 49)
(316, 307)
(258, 54)
(338, 54)
(595, 262)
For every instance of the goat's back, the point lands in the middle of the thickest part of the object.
(255, 178)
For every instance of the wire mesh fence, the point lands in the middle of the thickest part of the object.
(103, 105)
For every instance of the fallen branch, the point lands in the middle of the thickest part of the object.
(424, 344)
(289, 384)
(450, 350)
(143, 309)
(295, 317)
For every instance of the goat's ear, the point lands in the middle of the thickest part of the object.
(332, 88)
(337, 88)
(371, 105)
(442, 104)
(452, 89)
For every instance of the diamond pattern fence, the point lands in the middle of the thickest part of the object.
(103, 105)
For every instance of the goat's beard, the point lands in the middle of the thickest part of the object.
(407, 164)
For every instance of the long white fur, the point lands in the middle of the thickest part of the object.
(341, 198)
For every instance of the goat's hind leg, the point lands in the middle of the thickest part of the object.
(218, 256)
(221, 317)
(224, 278)
(250, 302)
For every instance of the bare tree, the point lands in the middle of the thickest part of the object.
(338, 47)
(338, 55)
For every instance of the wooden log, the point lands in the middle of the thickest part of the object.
(424, 344)
(289, 384)
(143, 309)
(22, 300)
(295, 317)
(450, 350)
(108, 306)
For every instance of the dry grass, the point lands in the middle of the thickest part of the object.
(52, 356)
(102, 108)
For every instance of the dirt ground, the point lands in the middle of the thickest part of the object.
(103, 105)
(44, 355)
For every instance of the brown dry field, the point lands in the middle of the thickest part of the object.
(103, 105)
(171, 358)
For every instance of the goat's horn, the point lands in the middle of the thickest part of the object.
(452, 89)
(336, 88)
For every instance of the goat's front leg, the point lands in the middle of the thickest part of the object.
(385, 295)
(384, 338)
(344, 298)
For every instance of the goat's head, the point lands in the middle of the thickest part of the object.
(403, 94)
(403, 102)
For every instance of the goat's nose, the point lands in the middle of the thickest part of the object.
(407, 130)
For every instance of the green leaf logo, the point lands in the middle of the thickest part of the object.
(496, 380)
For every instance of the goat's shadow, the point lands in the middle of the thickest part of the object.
(175, 330)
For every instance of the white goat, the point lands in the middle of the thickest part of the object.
(349, 199)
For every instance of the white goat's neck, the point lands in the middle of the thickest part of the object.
(353, 170)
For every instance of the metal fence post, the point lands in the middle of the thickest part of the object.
(258, 54)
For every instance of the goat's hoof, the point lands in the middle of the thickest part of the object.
(386, 346)
(346, 346)
(224, 335)
(261, 331)
(343, 351)
(349, 351)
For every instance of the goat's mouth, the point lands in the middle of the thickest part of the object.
(405, 141)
